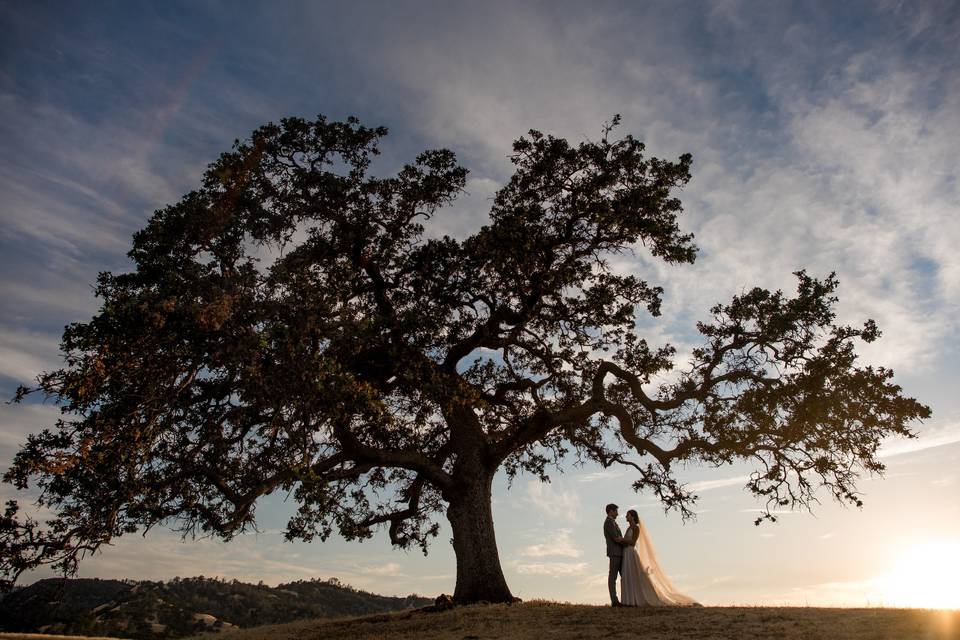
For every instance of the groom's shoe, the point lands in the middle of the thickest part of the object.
(615, 604)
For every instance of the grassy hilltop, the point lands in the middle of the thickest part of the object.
(552, 621)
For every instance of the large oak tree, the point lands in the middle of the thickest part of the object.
(286, 327)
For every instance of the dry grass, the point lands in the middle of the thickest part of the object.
(552, 621)
(47, 636)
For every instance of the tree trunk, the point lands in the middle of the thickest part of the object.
(479, 577)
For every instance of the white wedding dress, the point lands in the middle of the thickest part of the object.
(643, 583)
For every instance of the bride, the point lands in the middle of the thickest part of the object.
(643, 583)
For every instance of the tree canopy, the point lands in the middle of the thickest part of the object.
(288, 327)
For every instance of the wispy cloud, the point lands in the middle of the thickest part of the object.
(709, 485)
(387, 569)
(552, 502)
(467, 213)
(556, 543)
(24, 354)
(67, 299)
(927, 438)
(606, 474)
(16, 422)
(554, 569)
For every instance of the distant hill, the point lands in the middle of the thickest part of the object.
(182, 606)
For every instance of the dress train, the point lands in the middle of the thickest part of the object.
(643, 582)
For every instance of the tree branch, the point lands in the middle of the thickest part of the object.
(410, 460)
(396, 518)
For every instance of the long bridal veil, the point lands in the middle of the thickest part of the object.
(664, 589)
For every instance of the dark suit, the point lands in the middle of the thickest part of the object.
(615, 553)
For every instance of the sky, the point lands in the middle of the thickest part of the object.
(824, 137)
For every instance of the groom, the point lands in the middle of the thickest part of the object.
(612, 533)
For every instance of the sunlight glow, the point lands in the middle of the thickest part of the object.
(925, 576)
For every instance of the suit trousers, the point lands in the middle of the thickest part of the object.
(615, 564)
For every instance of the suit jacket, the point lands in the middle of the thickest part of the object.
(611, 531)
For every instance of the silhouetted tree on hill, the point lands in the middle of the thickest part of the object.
(287, 328)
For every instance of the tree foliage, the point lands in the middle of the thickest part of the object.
(287, 327)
